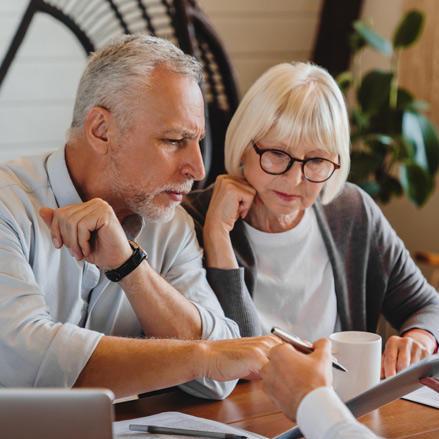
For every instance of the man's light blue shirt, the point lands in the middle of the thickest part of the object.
(54, 309)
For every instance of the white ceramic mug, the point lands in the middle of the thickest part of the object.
(360, 353)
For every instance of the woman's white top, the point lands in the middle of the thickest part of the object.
(294, 286)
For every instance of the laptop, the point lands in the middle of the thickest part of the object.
(56, 413)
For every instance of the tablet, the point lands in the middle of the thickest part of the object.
(386, 391)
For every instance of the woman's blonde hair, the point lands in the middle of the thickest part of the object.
(304, 104)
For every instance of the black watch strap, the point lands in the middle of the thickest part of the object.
(128, 266)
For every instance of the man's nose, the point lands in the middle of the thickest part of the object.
(194, 166)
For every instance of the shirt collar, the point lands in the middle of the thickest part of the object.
(133, 225)
(60, 180)
(66, 193)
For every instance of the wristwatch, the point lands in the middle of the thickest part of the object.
(128, 266)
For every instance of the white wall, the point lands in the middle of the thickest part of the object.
(36, 98)
(259, 33)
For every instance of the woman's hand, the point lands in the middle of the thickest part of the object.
(231, 199)
(401, 352)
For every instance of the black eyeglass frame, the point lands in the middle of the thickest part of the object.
(261, 152)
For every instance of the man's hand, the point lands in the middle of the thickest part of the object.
(401, 352)
(91, 231)
(225, 360)
(290, 375)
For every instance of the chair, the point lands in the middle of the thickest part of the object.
(95, 23)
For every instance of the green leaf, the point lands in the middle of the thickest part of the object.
(363, 164)
(374, 40)
(408, 29)
(412, 132)
(374, 90)
(389, 186)
(371, 187)
(393, 185)
(379, 144)
(386, 120)
(403, 150)
(356, 42)
(380, 138)
(423, 137)
(345, 80)
(416, 182)
(418, 106)
(431, 140)
(359, 121)
(405, 99)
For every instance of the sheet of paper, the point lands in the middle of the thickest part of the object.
(425, 396)
(175, 419)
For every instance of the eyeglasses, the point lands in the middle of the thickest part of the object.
(277, 162)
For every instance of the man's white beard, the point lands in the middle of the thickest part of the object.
(144, 206)
(143, 203)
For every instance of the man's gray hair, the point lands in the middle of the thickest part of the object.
(115, 74)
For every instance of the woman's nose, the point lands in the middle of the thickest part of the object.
(295, 173)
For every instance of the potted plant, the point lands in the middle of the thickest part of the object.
(395, 147)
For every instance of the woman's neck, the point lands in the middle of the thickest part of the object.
(262, 219)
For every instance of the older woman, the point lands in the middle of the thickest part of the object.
(289, 243)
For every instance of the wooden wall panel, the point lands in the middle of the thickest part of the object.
(419, 73)
(264, 7)
(419, 69)
(258, 34)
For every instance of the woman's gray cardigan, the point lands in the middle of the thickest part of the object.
(373, 271)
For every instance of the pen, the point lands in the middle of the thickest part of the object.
(156, 429)
(302, 346)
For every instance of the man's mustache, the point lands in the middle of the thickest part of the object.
(180, 188)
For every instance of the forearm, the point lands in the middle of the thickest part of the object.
(234, 297)
(161, 309)
(131, 366)
(218, 249)
(424, 319)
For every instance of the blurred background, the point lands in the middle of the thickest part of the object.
(42, 59)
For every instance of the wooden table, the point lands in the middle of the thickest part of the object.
(248, 407)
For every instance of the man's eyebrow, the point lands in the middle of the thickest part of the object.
(183, 133)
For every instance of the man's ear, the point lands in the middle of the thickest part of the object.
(98, 129)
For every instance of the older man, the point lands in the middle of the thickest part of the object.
(69, 273)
